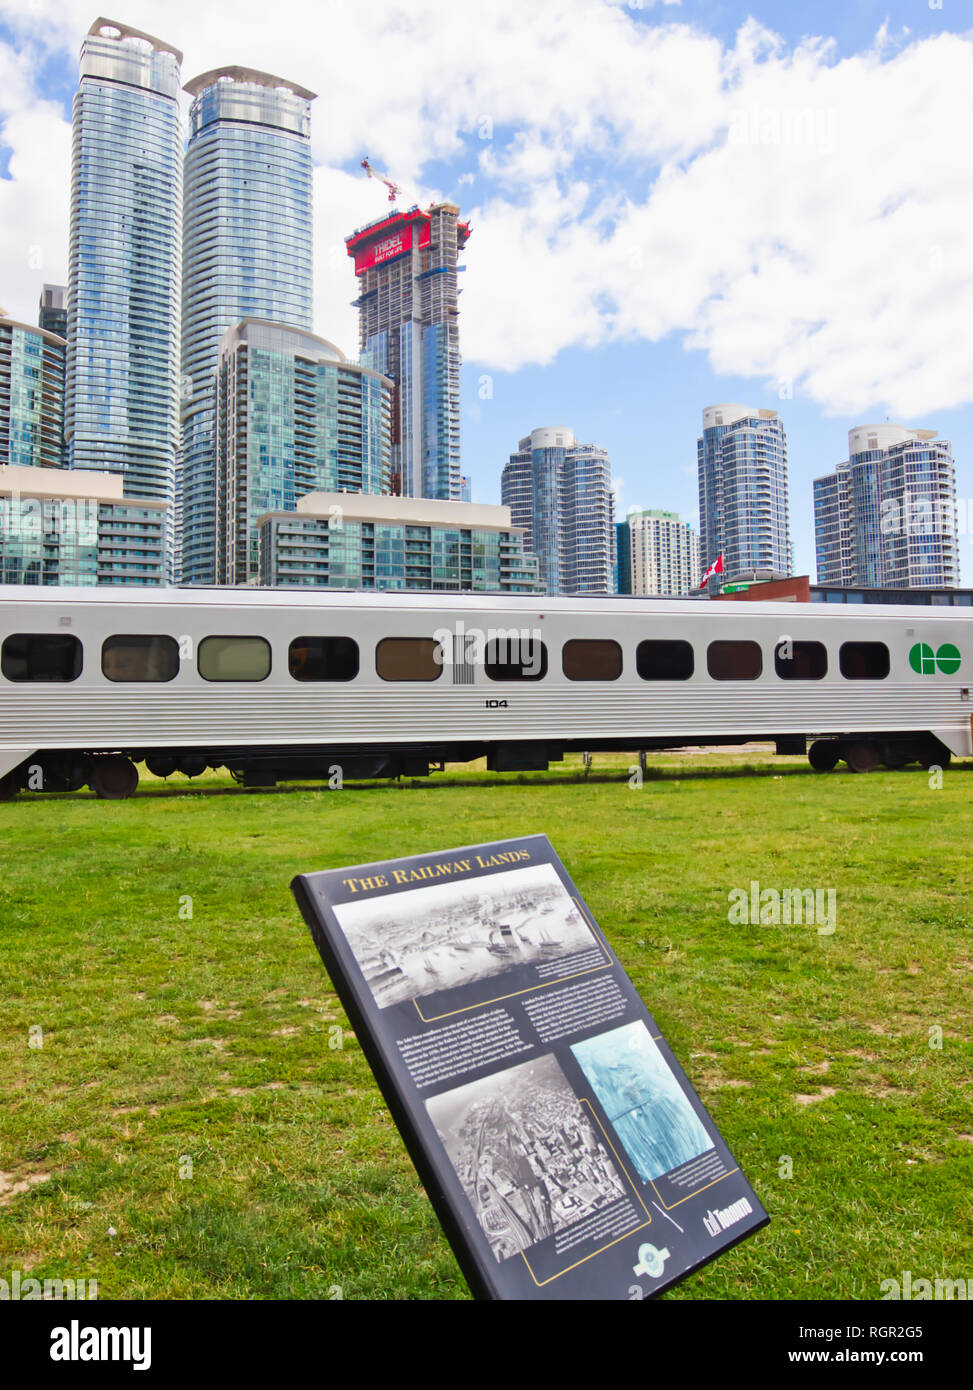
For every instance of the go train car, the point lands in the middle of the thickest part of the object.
(275, 685)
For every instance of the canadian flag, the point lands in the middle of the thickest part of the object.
(715, 568)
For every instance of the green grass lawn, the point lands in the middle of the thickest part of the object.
(215, 1037)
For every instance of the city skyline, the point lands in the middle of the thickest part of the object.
(609, 384)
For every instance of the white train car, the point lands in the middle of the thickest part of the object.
(274, 684)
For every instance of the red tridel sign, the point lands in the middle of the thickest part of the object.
(387, 247)
(384, 250)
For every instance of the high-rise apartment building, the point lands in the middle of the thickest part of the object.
(31, 396)
(121, 395)
(294, 416)
(886, 517)
(52, 311)
(559, 493)
(407, 266)
(246, 253)
(657, 554)
(75, 526)
(357, 541)
(743, 509)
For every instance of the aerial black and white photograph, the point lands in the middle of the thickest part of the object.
(452, 934)
(642, 1098)
(526, 1152)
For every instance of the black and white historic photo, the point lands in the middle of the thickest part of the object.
(526, 1152)
(642, 1098)
(447, 935)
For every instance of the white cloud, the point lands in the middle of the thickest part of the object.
(34, 197)
(792, 215)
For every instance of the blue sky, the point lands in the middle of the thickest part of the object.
(673, 204)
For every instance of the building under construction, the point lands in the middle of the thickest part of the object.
(407, 266)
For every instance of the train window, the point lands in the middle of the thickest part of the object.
(233, 658)
(591, 660)
(323, 658)
(665, 660)
(131, 658)
(801, 661)
(409, 659)
(41, 656)
(515, 658)
(864, 661)
(734, 661)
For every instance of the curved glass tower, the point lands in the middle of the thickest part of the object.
(121, 394)
(743, 509)
(246, 254)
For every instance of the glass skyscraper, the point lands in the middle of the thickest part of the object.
(294, 416)
(52, 310)
(246, 253)
(407, 265)
(121, 396)
(559, 493)
(886, 517)
(31, 396)
(743, 512)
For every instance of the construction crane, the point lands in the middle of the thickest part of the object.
(393, 188)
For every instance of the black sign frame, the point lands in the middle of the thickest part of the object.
(545, 1114)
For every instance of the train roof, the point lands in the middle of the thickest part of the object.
(541, 604)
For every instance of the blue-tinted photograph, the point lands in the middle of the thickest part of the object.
(657, 1126)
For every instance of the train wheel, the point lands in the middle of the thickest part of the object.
(113, 779)
(940, 757)
(9, 786)
(823, 755)
(862, 757)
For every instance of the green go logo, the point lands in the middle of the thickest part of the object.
(925, 662)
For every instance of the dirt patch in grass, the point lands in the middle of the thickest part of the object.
(11, 1186)
(824, 1093)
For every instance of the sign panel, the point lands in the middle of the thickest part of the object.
(394, 242)
(564, 1150)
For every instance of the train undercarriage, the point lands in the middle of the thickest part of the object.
(114, 775)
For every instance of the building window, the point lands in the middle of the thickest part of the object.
(597, 660)
(734, 661)
(801, 661)
(515, 659)
(665, 660)
(130, 658)
(323, 658)
(864, 661)
(409, 659)
(41, 656)
(233, 658)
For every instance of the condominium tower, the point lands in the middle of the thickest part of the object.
(294, 416)
(657, 554)
(31, 396)
(407, 268)
(743, 511)
(886, 517)
(559, 493)
(121, 397)
(246, 253)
